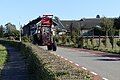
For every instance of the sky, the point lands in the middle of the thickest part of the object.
(20, 12)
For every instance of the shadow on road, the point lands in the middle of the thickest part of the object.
(108, 59)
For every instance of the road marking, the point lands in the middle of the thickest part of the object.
(77, 64)
(65, 58)
(94, 73)
(71, 61)
(62, 57)
(84, 68)
(105, 79)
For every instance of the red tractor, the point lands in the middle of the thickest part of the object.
(45, 32)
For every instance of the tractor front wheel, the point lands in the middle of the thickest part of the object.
(54, 46)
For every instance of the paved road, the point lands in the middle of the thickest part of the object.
(15, 68)
(107, 66)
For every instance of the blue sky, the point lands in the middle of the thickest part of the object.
(23, 11)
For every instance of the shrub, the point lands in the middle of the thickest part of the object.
(64, 39)
(25, 39)
(56, 39)
(80, 42)
(104, 41)
(91, 40)
(118, 43)
(112, 41)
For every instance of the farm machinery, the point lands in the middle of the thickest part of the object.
(46, 31)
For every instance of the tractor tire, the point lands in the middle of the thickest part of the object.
(54, 46)
(49, 47)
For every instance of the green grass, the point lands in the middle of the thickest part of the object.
(3, 55)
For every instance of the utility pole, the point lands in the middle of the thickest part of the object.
(20, 31)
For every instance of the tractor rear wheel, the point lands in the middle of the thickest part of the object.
(49, 47)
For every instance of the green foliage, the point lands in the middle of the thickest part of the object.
(56, 39)
(68, 39)
(117, 23)
(25, 39)
(3, 55)
(104, 41)
(3, 58)
(1, 31)
(118, 43)
(62, 73)
(10, 27)
(106, 23)
(112, 41)
(91, 40)
(81, 42)
(73, 39)
(11, 31)
(64, 39)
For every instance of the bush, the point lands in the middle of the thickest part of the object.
(104, 41)
(112, 41)
(80, 42)
(64, 39)
(25, 39)
(118, 43)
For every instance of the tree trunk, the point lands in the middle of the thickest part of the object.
(106, 36)
(99, 41)
(119, 33)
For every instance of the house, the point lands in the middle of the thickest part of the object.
(84, 25)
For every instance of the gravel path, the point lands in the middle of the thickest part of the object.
(15, 68)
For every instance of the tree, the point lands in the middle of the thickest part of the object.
(71, 28)
(10, 27)
(117, 24)
(1, 31)
(106, 25)
(11, 31)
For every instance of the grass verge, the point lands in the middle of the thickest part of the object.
(3, 57)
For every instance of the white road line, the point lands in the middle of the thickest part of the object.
(84, 68)
(71, 61)
(105, 79)
(77, 64)
(65, 58)
(94, 73)
(62, 57)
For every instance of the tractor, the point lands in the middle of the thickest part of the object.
(45, 33)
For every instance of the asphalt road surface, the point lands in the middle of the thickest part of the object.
(107, 66)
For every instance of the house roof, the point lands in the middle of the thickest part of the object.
(85, 23)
